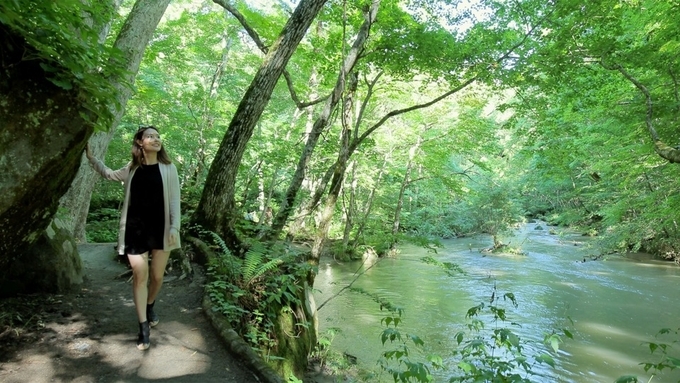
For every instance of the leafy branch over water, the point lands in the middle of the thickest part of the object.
(498, 354)
(487, 351)
(666, 362)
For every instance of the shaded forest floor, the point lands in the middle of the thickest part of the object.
(88, 335)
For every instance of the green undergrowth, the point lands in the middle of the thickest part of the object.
(102, 225)
(251, 291)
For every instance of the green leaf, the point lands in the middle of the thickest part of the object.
(416, 340)
(511, 297)
(473, 311)
(459, 337)
(547, 359)
(436, 360)
(675, 362)
(62, 83)
(466, 367)
(48, 68)
(555, 343)
(513, 339)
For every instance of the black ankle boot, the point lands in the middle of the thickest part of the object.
(143, 337)
(151, 315)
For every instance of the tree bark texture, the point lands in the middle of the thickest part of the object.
(41, 145)
(216, 210)
(667, 152)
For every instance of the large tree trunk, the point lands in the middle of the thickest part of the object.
(216, 210)
(132, 40)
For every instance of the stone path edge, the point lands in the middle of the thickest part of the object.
(237, 346)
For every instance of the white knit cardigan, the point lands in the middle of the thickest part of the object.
(170, 199)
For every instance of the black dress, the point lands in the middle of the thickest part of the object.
(145, 224)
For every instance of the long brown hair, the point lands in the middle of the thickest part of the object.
(138, 154)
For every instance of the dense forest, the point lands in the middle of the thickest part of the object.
(312, 128)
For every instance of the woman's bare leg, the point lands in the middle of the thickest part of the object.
(140, 279)
(159, 259)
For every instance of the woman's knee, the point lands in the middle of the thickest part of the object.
(140, 276)
(157, 277)
(140, 268)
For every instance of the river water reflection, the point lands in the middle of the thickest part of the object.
(616, 305)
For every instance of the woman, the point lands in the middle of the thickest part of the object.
(149, 222)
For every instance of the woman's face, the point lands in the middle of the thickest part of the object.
(150, 140)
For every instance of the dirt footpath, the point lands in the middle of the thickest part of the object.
(89, 335)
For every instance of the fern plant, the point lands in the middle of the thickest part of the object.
(255, 264)
(250, 291)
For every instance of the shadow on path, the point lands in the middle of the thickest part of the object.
(89, 335)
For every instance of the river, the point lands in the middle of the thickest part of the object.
(614, 305)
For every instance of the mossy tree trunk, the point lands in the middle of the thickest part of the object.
(296, 331)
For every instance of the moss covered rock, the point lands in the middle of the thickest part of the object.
(51, 265)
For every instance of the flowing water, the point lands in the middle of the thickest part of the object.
(615, 305)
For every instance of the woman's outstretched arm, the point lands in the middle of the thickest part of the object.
(101, 168)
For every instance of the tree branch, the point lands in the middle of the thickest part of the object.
(397, 112)
(469, 81)
(641, 88)
(351, 283)
(256, 39)
(663, 150)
